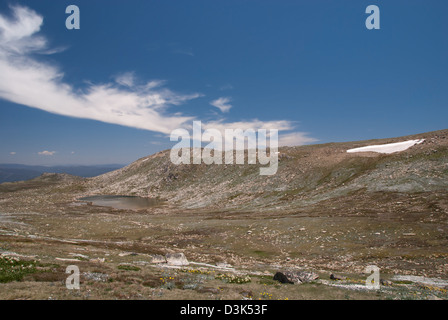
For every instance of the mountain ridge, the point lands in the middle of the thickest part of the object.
(10, 172)
(306, 175)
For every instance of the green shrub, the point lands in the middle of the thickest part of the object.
(128, 268)
(13, 269)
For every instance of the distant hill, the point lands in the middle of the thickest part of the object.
(20, 172)
(306, 175)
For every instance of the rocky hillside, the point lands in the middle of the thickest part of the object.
(306, 175)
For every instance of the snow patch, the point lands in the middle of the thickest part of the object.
(423, 280)
(388, 148)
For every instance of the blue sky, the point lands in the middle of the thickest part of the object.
(112, 91)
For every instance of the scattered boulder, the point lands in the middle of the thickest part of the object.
(157, 258)
(334, 276)
(96, 276)
(176, 259)
(282, 278)
(386, 283)
(297, 277)
(301, 276)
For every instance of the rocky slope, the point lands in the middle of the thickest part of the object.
(306, 175)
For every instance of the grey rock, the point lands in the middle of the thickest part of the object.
(282, 278)
(157, 258)
(96, 276)
(301, 276)
(176, 259)
(334, 276)
(386, 283)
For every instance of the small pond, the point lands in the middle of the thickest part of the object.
(122, 202)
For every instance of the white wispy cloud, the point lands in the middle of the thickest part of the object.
(53, 50)
(13, 153)
(26, 80)
(184, 51)
(180, 48)
(46, 153)
(295, 139)
(222, 104)
(284, 139)
(226, 87)
(126, 79)
(255, 124)
(16, 33)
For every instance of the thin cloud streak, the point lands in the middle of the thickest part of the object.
(46, 153)
(295, 139)
(222, 104)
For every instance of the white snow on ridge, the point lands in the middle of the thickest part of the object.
(388, 148)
